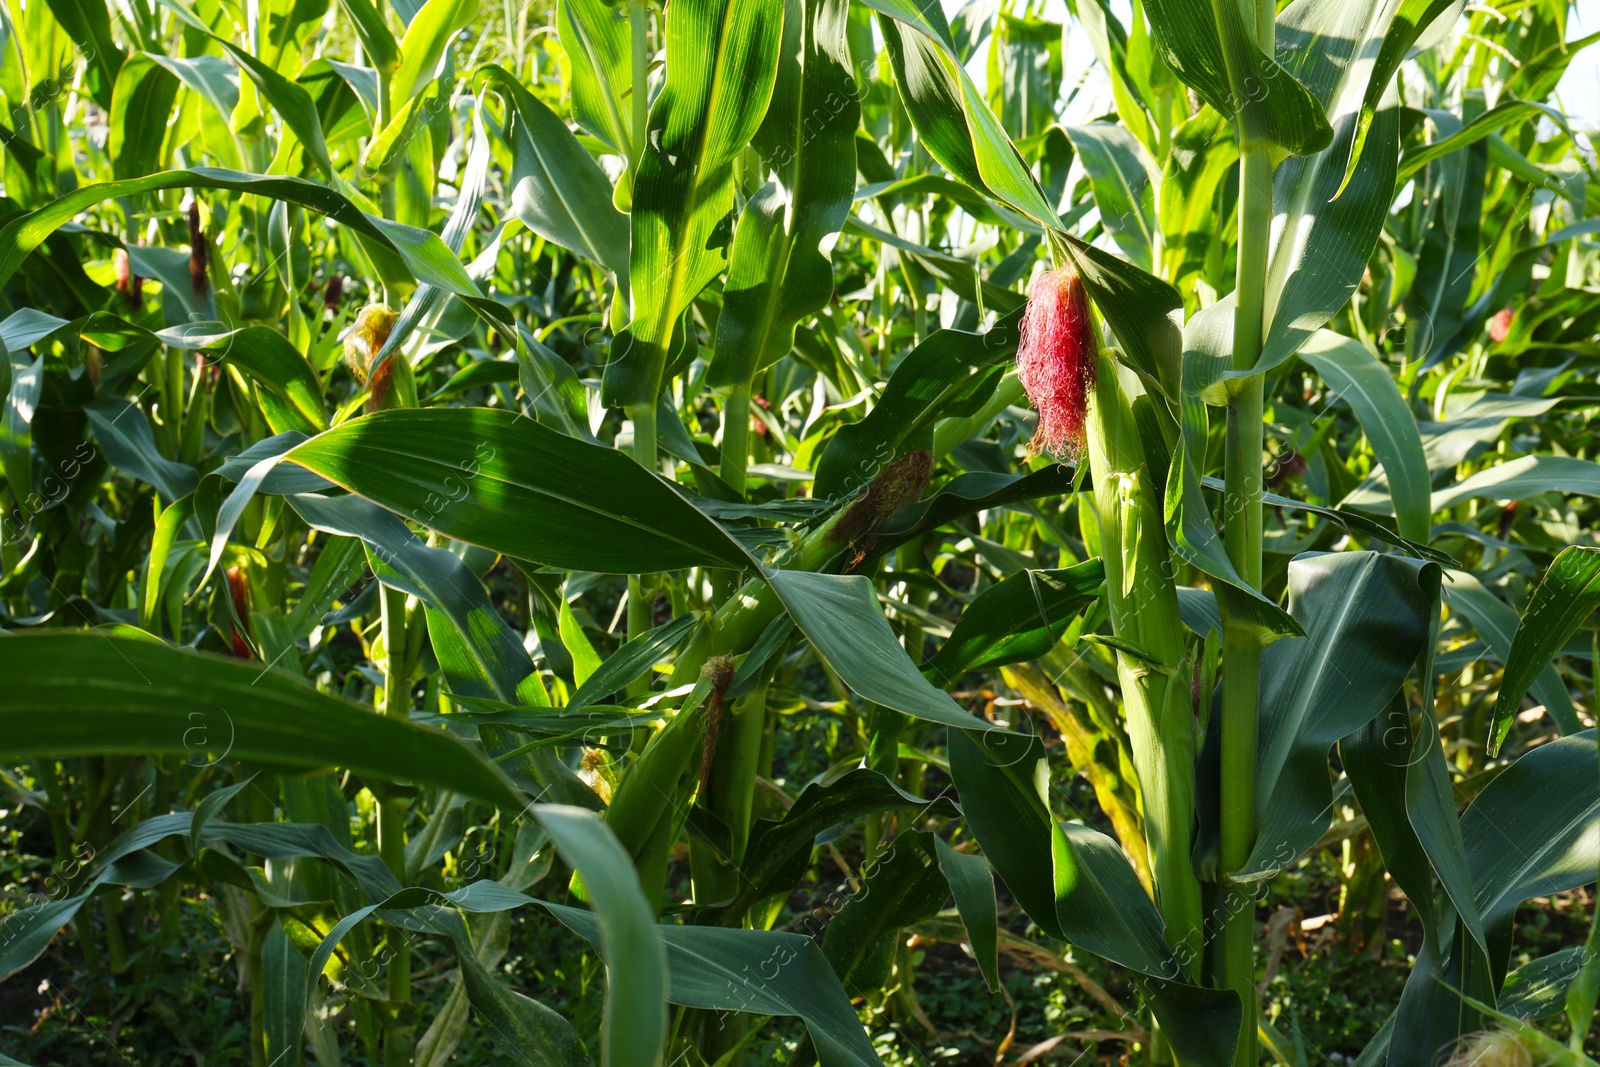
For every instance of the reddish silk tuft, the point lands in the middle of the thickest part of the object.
(1055, 361)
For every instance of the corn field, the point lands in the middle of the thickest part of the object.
(727, 532)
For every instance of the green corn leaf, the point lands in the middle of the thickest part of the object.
(951, 373)
(1409, 23)
(1446, 266)
(955, 123)
(759, 971)
(840, 616)
(290, 100)
(1496, 622)
(634, 1030)
(492, 478)
(721, 63)
(1548, 802)
(779, 849)
(1497, 118)
(778, 272)
(596, 41)
(1015, 620)
(122, 861)
(422, 47)
(483, 657)
(972, 884)
(293, 392)
(426, 256)
(1119, 170)
(140, 106)
(125, 437)
(1568, 594)
(558, 190)
(1367, 619)
(1523, 477)
(88, 23)
(903, 886)
(80, 694)
(1325, 233)
(1210, 47)
(1077, 885)
(1356, 377)
(285, 982)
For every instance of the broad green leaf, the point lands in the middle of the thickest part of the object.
(89, 694)
(1446, 267)
(379, 45)
(721, 62)
(779, 272)
(950, 373)
(124, 434)
(597, 44)
(290, 100)
(293, 399)
(1367, 618)
(779, 850)
(903, 886)
(88, 23)
(1076, 884)
(1203, 153)
(1497, 118)
(558, 190)
(1018, 619)
(1548, 803)
(492, 478)
(1356, 377)
(1323, 235)
(955, 123)
(16, 424)
(142, 103)
(1496, 623)
(423, 46)
(27, 932)
(1208, 340)
(1381, 761)
(634, 1030)
(1523, 477)
(632, 661)
(972, 884)
(1409, 21)
(484, 657)
(526, 1031)
(285, 982)
(1211, 49)
(1025, 71)
(1568, 594)
(426, 256)
(1119, 170)
(210, 76)
(758, 971)
(840, 616)
(969, 493)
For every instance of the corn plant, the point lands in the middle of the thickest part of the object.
(579, 466)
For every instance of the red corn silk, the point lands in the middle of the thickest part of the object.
(1500, 324)
(129, 285)
(239, 591)
(1055, 361)
(199, 254)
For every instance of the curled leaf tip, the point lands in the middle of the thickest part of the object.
(1055, 361)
